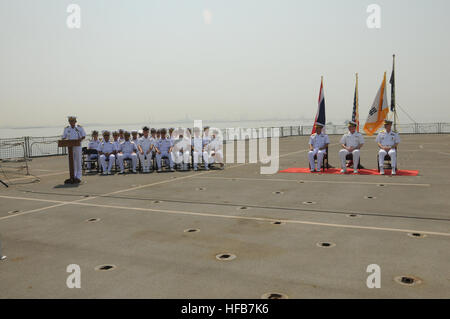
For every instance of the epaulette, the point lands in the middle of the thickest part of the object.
(67, 126)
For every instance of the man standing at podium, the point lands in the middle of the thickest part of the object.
(75, 132)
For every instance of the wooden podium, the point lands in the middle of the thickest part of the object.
(70, 144)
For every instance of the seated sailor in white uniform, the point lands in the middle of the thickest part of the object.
(75, 132)
(154, 139)
(171, 135)
(145, 147)
(163, 149)
(121, 137)
(388, 141)
(158, 135)
(127, 150)
(116, 140)
(206, 139)
(106, 151)
(318, 143)
(206, 136)
(134, 136)
(197, 148)
(94, 143)
(351, 144)
(181, 152)
(214, 151)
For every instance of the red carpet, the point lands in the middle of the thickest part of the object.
(350, 171)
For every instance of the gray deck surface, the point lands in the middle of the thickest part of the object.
(155, 258)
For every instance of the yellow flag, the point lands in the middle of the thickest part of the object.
(378, 111)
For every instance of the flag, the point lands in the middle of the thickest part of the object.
(378, 111)
(392, 82)
(355, 114)
(320, 116)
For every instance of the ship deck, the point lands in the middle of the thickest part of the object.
(142, 223)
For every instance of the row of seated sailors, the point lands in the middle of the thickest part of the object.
(176, 150)
(153, 133)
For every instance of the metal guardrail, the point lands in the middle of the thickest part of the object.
(12, 148)
(44, 146)
(29, 147)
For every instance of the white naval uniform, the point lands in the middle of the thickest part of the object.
(214, 152)
(154, 140)
(197, 143)
(74, 134)
(117, 144)
(135, 141)
(206, 140)
(146, 158)
(107, 147)
(388, 140)
(351, 140)
(181, 152)
(116, 147)
(127, 150)
(164, 146)
(93, 145)
(317, 142)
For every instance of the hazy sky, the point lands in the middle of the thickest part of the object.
(141, 60)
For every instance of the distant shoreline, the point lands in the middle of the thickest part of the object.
(173, 123)
(54, 130)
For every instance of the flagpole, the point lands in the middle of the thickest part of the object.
(357, 102)
(318, 108)
(395, 108)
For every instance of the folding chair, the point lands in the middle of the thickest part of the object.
(128, 164)
(139, 164)
(350, 163)
(85, 159)
(324, 161)
(114, 168)
(387, 162)
(164, 162)
(153, 164)
(190, 165)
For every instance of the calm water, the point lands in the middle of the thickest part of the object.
(53, 131)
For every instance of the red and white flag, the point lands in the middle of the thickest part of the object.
(320, 116)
